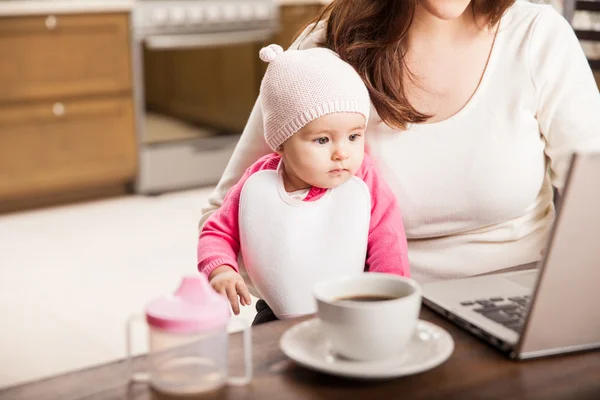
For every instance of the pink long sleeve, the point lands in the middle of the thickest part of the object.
(387, 249)
(219, 241)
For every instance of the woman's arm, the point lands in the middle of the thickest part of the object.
(252, 144)
(568, 98)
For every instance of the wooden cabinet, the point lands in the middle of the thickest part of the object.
(64, 55)
(46, 147)
(66, 112)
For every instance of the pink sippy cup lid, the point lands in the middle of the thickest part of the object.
(194, 307)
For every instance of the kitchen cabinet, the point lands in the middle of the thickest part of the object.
(66, 108)
(46, 147)
(63, 55)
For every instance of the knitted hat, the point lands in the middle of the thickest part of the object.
(303, 85)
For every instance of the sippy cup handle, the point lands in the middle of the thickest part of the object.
(247, 339)
(136, 377)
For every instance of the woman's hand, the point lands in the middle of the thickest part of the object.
(230, 284)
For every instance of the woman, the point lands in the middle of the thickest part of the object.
(477, 107)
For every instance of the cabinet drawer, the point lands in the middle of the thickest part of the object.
(64, 55)
(49, 147)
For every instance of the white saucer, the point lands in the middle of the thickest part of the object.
(306, 344)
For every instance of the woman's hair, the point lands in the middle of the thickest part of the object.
(370, 35)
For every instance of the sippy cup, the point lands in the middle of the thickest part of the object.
(188, 341)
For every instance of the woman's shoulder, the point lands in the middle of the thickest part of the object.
(539, 32)
(528, 8)
(528, 16)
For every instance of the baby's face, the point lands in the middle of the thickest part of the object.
(326, 152)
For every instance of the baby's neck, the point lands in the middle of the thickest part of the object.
(291, 182)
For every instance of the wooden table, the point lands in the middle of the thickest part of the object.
(474, 371)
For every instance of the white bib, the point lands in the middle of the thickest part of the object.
(288, 245)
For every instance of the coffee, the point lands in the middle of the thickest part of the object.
(355, 310)
(367, 298)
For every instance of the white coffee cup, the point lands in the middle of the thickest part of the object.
(368, 330)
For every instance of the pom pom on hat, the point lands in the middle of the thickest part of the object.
(269, 54)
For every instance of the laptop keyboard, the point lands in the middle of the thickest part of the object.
(509, 312)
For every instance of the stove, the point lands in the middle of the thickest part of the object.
(173, 153)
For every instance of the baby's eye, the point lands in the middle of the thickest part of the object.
(354, 137)
(322, 140)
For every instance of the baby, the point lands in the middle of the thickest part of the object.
(314, 209)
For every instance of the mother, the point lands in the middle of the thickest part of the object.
(478, 107)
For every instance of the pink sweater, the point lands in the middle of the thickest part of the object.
(219, 241)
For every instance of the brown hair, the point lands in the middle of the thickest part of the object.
(370, 34)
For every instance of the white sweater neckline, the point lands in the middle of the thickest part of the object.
(494, 53)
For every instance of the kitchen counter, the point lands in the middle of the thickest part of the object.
(37, 7)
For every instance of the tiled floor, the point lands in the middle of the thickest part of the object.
(70, 276)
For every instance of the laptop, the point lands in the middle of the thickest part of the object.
(552, 308)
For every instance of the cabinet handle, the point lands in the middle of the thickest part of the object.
(51, 22)
(58, 109)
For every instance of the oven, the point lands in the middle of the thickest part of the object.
(197, 74)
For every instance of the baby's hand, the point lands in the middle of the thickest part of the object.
(231, 285)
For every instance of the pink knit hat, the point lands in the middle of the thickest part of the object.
(303, 85)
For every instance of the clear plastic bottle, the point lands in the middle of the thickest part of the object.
(188, 341)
